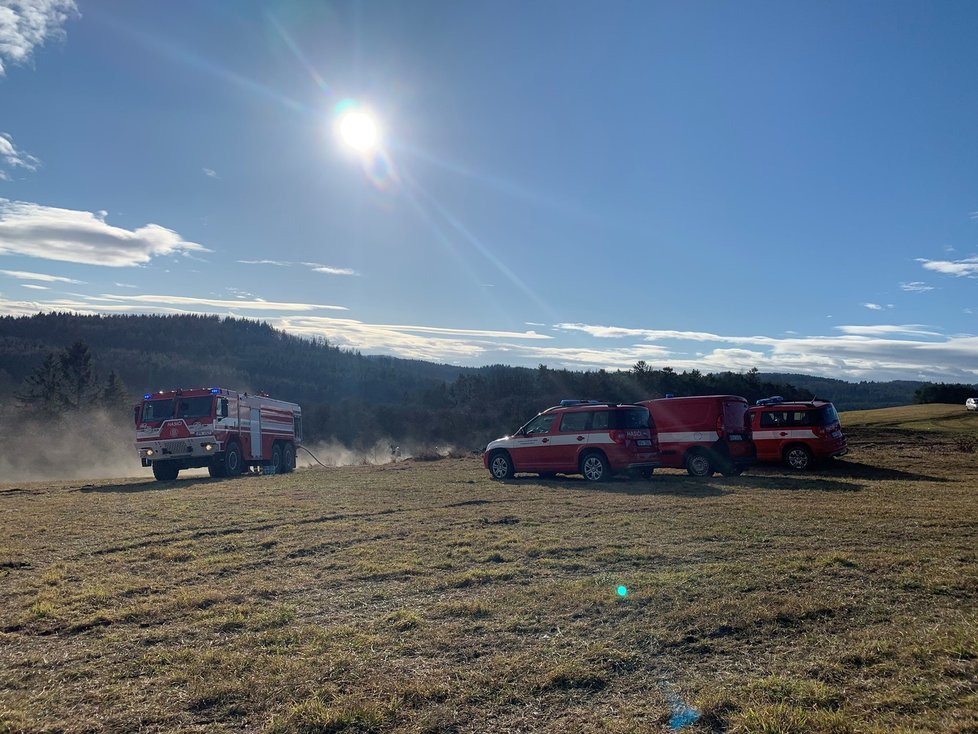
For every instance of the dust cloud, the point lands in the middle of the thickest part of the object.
(99, 445)
(86, 445)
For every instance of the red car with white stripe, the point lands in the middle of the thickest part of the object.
(796, 432)
(585, 437)
(703, 433)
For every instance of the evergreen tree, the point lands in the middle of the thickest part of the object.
(44, 387)
(115, 397)
(80, 379)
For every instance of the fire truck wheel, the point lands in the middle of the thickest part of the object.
(276, 462)
(232, 460)
(500, 465)
(595, 467)
(698, 464)
(165, 471)
(288, 458)
(798, 457)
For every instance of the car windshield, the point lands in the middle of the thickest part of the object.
(826, 415)
(199, 407)
(157, 410)
(632, 418)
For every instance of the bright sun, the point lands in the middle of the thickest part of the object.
(359, 131)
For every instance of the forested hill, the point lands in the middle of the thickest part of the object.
(853, 395)
(359, 400)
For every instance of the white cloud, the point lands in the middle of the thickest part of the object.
(334, 271)
(68, 235)
(964, 268)
(34, 286)
(41, 277)
(253, 305)
(315, 267)
(25, 24)
(881, 329)
(916, 286)
(873, 306)
(11, 158)
(210, 173)
(124, 285)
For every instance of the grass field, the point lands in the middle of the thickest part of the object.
(423, 597)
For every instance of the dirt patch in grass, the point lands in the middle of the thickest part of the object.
(424, 597)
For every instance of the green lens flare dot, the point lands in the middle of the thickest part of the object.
(622, 591)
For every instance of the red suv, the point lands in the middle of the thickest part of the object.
(797, 432)
(578, 437)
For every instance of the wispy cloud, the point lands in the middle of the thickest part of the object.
(124, 285)
(964, 268)
(11, 157)
(210, 173)
(34, 286)
(916, 286)
(256, 304)
(68, 235)
(315, 267)
(41, 277)
(873, 306)
(26, 24)
(884, 329)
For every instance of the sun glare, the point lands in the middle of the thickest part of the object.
(359, 131)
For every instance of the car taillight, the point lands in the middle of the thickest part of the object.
(820, 431)
(618, 437)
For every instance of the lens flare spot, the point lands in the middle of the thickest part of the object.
(622, 591)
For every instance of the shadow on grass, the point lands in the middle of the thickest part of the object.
(857, 470)
(631, 486)
(801, 482)
(148, 486)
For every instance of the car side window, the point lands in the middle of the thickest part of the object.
(600, 420)
(573, 422)
(540, 424)
(769, 419)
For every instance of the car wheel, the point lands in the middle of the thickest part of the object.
(698, 465)
(288, 458)
(276, 463)
(595, 467)
(165, 471)
(233, 464)
(798, 458)
(500, 465)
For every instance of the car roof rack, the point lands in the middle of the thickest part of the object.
(569, 402)
(773, 400)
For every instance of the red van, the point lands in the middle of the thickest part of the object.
(703, 434)
(796, 432)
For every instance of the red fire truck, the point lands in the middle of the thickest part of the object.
(703, 434)
(225, 430)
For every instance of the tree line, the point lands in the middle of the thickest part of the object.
(347, 397)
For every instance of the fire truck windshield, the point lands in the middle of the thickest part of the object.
(157, 410)
(199, 407)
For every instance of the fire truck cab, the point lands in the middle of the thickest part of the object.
(703, 434)
(222, 429)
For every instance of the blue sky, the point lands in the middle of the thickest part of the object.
(787, 186)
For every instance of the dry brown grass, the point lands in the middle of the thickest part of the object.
(423, 597)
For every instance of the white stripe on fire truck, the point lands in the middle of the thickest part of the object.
(796, 433)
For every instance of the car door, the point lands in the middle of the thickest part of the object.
(532, 444)
(570, 437)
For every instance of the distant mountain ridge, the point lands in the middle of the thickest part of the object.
(863, 395)
(357, 399)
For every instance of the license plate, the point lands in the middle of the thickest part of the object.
(643, 442)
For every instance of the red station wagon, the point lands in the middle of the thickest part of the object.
(578, 437)
(796, 432)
